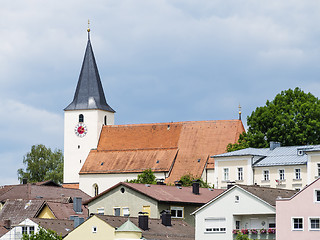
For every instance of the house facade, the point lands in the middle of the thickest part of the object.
(128, 199)
(281, 167)
(298, 217)
(250, 209)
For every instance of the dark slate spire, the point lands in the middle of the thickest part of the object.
(89, 93)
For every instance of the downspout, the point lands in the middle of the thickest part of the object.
(252, 170)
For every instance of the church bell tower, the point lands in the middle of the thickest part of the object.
(84, 117)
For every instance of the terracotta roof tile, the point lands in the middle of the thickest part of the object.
(157, 231)
(143, 144)
(163, 193)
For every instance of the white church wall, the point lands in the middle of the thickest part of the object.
(105, 181)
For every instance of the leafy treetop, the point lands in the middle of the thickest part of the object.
(291, 118)
(42, 164)
(42, 235)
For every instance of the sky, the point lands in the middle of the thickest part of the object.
(159, 61)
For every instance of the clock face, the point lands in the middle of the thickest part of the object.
(80, 130)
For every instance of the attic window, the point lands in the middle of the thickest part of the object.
(94, 229)
(122, 190)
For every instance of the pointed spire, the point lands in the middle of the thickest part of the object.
(89, 93)
(239, 111)
(88, 30)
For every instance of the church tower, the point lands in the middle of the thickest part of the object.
(84, 117)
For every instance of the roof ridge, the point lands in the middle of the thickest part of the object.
(136, 149)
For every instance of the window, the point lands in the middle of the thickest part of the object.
(240, 173)
(318, 169)
(24, 230)
(100, 211)
(95, 189)
(226, 174)
(105, 120)
(213, 225)
(271, 222)
(237, 199)
(297, 173)
(177, 212)
(126, 212)
(31, 230)
(116, 211)
(281, 174)
(317, 195)
(94, 229)
(297, 224)
(237, 224)
(314, 224)
(266, 175)
(81, 118)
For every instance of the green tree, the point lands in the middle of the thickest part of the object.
(146, 177)
(42, 235)
(187, 180)
(291, 118)
(42, 164)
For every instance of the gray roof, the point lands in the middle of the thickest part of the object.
(292, 155)
(89, 93)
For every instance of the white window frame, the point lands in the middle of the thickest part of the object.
(100, 211)
(266, 177)
(240, 174)
(125, 211)
(94, 229)
(226, 174)
(315, 195)
(309, 221)
(297, 174)
(177, 209)
(217, 225)
(282, 176)
(292, 224)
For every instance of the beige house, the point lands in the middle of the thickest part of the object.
(128, 199)
(281, 167)
(101, 227)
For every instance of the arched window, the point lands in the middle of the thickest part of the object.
(81, 118)
(95, 189)
(105, 120)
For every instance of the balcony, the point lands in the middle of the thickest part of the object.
(256, 233)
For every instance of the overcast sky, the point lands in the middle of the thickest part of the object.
(159, 61)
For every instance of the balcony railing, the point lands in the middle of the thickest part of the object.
(269, 233)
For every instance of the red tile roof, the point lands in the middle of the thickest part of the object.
(184, 147)
(163, 193)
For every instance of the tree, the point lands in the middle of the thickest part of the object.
(42, 235)
(188, 179)
(42, 164)
(146, 177)
(292, 118)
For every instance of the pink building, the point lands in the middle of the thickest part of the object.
(299, 216)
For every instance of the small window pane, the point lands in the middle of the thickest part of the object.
(81, 118)
(117, 211)
(315, 223)
(297, 223)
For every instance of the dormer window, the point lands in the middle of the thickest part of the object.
(81, 118)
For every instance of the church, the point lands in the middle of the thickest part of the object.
(98, 154)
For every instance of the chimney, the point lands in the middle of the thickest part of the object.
(274, 145)
(7, 224)
(77, 221)
(195, 187)
(166, 218)
(77, 205)
(24, 181)
(143, 221)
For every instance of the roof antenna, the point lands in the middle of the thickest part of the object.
(239, 111)
(88, 30)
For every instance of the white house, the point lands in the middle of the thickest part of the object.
(246, 208)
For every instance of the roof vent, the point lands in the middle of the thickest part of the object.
(274, 145)
(300, 152)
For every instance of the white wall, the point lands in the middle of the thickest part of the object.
(105, 181)
(16, 232)
(76, 149)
